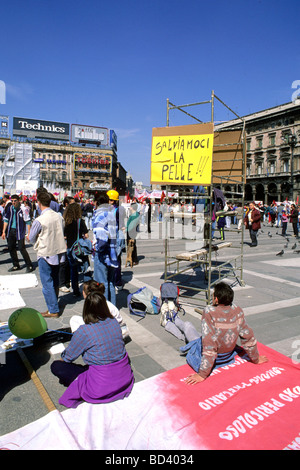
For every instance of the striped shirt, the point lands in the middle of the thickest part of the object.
(105, 234)
(98, 343)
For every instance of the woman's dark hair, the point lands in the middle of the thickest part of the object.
(224, 293)
(95, 308)
(93, 286)
(72, 212)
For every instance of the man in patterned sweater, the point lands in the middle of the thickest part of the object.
(223, 323)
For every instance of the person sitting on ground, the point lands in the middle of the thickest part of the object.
(107, 375)
(223, 323)
(87, 288)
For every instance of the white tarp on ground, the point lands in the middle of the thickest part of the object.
(18, 281)
(10, 296)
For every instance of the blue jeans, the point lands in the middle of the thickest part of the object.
(106, 275)
(49, 274)
(253, 236)
(213, 228)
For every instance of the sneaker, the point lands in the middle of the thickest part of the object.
(64, 289)
(125, 331)
(163, 314)
(163, 320)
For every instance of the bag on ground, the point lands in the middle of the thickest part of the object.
(142, 302)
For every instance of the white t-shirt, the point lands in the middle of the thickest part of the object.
(76, 321)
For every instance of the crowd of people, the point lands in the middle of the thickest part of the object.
(18, 216)
(280, 214)
(56, 231)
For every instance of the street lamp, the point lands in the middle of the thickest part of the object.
(291, 140)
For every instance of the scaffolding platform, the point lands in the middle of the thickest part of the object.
(196, 271)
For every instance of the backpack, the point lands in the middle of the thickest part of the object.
(170, 306)
(169, 291)
(143, 301)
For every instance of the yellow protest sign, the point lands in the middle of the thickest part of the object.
(183, 155)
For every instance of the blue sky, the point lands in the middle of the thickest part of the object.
(115, 63)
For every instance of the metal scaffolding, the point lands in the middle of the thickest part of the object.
(228, 168)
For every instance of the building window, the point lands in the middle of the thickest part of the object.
(259, 141)
(272, 167)
(248, 144)
(286, 166)
(272, 140)
(259, 168)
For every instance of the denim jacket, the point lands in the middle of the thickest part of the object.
(193, 350)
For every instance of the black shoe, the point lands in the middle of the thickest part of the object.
(13, 269)
(29, 269)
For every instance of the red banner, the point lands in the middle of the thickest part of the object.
(240, 406)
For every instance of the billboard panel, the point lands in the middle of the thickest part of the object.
(92, 163)
(35, 128)
(80, 133)
(113, 141)
(4, 126)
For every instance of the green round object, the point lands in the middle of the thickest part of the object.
(27, 323)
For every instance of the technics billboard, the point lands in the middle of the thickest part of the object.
(35, 128)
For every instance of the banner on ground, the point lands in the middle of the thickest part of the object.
(240, 406)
